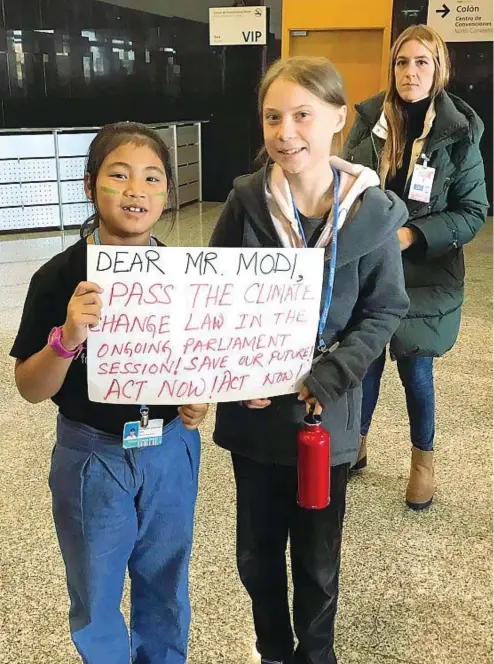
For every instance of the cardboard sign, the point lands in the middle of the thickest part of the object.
(183, 326)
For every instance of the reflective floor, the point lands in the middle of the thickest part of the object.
(415, 588)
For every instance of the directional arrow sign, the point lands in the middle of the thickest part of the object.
(461, 20)
(444, 11)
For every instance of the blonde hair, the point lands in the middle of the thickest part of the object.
(316, 74)
(394, 147)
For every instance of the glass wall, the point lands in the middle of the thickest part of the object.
(73, 63)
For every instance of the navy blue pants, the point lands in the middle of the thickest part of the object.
(116, 509)
(418, 381)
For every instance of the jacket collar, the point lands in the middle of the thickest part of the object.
(354, 180)
(450, 124)
(380, 129)
(453, 120)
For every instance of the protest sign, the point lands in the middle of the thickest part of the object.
(187, 325)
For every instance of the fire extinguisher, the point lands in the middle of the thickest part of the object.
(313, 464)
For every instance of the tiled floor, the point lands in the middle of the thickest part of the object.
(415, 588)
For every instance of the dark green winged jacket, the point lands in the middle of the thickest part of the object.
(434, 266)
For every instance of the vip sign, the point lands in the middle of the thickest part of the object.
(462, 20)
(237, 26)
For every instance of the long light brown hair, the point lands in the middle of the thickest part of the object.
(394, 147)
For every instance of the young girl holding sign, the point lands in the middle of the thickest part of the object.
(115, 505)
(306, 197)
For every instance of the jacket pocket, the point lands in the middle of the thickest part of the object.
(350, 398)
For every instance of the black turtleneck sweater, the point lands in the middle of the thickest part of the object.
(414, 120)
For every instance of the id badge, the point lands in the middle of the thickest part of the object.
(135, 435)
(421, 184)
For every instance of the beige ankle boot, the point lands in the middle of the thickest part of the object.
(422, 483)
(361, 462)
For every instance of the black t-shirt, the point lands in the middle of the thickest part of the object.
(312, 227)
(46, 307)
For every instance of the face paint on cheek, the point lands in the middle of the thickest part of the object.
(160, 194)
(109, 190)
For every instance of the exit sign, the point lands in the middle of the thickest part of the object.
(237, 26)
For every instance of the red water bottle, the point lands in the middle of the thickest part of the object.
(313, 464)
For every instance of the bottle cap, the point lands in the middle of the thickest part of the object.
(312, 420)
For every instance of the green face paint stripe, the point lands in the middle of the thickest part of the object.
(109, 190)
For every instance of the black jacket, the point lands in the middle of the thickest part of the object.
(369, 300)
(434, 267)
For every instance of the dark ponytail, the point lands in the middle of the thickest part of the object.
(110, 138)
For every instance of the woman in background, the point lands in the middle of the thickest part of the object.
(416, 135)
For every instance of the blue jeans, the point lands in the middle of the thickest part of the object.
(116, 509)
(417, 378)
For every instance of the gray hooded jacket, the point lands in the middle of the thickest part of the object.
(369, 299)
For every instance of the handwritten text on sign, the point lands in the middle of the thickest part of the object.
(202, 325)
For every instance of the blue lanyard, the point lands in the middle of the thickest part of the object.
(144, 410)
(332, 261)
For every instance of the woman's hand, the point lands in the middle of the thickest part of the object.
(257, 404)
(193, 415)
(311, 403)
(407, 237)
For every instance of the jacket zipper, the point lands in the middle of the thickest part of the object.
(378, 159)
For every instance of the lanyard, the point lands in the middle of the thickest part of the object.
(144, 410)
(152, 241)
(332, 261)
